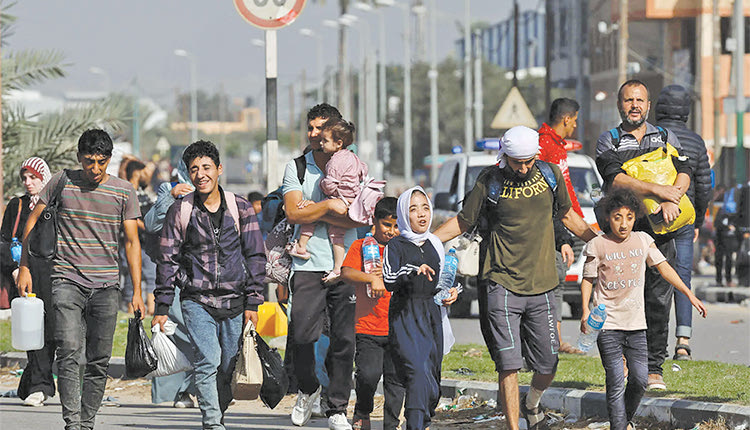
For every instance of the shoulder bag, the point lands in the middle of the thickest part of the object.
(43, 237)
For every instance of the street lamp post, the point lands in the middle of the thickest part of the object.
(319, 58)
(193, 93)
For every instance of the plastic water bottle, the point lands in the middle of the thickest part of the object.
(27, 323)
(593, 325)
(370, 257)
(15, 250)
(447, 277)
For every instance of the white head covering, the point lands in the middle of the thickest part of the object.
(404, 226)
(519, 142)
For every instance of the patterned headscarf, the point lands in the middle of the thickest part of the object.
(39, 168)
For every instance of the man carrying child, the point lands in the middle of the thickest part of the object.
(372, 358)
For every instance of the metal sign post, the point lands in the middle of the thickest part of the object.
(270, 15)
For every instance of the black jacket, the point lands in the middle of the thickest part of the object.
(672, 110)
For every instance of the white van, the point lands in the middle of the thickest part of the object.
(456, 177)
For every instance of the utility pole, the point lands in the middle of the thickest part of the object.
(548, 42)
(302, 110)
(515, 43)
(468, 131)
(291, 113)
(407, 97)
(478, 105)
(433, 75)
(739, 64)
(716, 83)
(622, 65)
(222, 131)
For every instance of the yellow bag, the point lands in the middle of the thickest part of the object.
(656, 167)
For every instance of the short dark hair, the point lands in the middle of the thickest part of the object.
(631, 83)
(323, 110)
(618, 198)
(201, 148)
(95, 142)
(132, 167)
(254, 196)
(386, 207)
(340, 129)
(562, 107)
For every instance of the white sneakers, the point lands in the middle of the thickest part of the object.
(304, 406)
(317, 410)
(338, 422)
(185, 401)
(35, 399)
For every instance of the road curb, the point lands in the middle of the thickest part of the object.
(580, 403)
(722, 294)
(590, 404)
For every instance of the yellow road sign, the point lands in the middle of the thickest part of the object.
(514, 111)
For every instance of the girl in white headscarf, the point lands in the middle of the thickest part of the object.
(411, 267)
(37, 383)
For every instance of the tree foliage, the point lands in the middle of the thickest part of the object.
(52, 136)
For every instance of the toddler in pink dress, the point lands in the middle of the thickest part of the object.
(344, 173)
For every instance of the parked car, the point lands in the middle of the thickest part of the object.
(456, 177)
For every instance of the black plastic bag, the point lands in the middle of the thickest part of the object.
(140, 358)
(275, 379)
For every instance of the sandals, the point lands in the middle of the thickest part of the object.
(292, 249)
(567, 348)
(332, 277)
(682, 357)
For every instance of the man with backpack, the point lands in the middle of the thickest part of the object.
(635, 137)
(512, 205)
(212, 249)
(305, 203)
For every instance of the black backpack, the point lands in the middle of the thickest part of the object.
(273, 203)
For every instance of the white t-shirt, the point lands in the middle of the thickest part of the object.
(620, 269)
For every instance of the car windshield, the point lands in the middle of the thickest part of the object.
(584, 180)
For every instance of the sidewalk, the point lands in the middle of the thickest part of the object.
(579, 403)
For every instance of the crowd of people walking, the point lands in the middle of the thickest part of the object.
(193, 253)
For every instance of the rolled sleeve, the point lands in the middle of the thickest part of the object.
(291, 181)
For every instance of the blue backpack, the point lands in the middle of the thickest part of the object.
(730, 203)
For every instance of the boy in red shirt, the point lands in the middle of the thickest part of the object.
(371, 358)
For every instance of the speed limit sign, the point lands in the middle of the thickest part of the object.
(269, 14)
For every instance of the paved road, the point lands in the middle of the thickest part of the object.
(141, 415)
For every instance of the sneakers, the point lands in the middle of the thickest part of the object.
(303, 407)
(535, 418)
(338, 422)
(317, 410)
(656, 382)
(35, 399)
(361, 424)
(185, 401)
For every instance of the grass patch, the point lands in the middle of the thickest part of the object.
(707, 381)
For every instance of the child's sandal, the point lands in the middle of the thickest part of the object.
(682, 357)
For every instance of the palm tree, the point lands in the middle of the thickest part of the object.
(52, 136)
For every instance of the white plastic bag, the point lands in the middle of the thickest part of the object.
(170, 360)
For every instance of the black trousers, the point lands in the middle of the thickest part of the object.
(372, 360)
(310, 299)
(658, 302)
(37, 376)
(723, 260)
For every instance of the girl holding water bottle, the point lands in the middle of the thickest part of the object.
(411, 266)
(36, 384)
(615, 269)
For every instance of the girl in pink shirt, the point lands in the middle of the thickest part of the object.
(616, 264)
(343, 176)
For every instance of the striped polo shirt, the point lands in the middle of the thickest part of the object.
(88, 228)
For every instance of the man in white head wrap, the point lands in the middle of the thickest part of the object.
(512, 204)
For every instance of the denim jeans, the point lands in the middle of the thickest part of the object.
(90, 314)
(683, 310)
(215, 345)
(622, 401)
